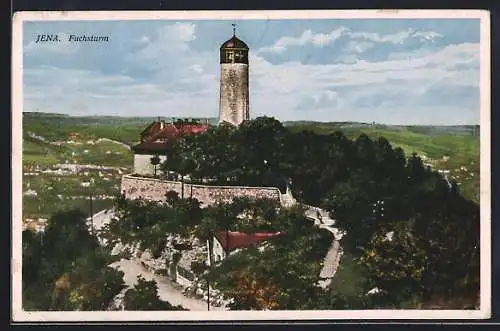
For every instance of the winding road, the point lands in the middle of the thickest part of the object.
(167, 289)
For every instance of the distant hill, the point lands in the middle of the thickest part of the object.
(64, 119)
(424, 129)
(60, 126)
(54, 118)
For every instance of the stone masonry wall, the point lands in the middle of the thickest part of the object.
(147, 188)
(154, 189)
(234, 94)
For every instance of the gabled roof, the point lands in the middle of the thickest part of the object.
(158, 135)
(169, 131)
(242, 239)
(173, 131)
(193, 128)
(151, 128)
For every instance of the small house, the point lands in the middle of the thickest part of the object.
(156, 139)
(225, 243)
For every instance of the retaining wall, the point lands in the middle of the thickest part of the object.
(182, 281)
(134, 187)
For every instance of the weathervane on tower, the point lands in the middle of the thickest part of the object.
(234, 29)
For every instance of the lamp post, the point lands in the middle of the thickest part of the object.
(205, 275)
(182, 186)
(91, 206)
(42, 233)
(209, 263)
(208, 294)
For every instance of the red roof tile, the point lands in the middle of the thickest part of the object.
(172, 131)
(169, 131)
(156, 138)
(194, 128)
(242, 239)
(152, 128)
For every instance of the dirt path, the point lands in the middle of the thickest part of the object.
(115, 142)
(167, 290)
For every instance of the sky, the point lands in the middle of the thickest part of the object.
(392, 71)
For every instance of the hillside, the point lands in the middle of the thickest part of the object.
(59, 126)
(51, 139)
(454, 150)
(78, 163)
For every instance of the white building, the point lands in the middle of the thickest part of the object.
(226, 243)
(155, 141)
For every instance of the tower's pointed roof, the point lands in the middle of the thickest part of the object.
(234, 42)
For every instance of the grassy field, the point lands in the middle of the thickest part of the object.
(50, 139)
(97, 152)
(433, 143)
(36, 152)
(128, 133)
(52, 192)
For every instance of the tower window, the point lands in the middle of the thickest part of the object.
(230, 56)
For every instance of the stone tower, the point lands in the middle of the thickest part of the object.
(234, 105)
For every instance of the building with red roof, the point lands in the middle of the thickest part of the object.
(156, 138)
(225, 243)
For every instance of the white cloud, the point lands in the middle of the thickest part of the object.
(321, 39)
(408, 55)
(169, 40)
(347, 58)
(363, 72)
(144, 40)
(282, 88)
(427, 35)
(84, 92)
(396, 38)
(196, 68)
(172, 63)
(307, 37)
(175, 80)
(354, 46)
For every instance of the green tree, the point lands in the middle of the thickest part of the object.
(59, 275)
(155, 161)
(283, 275)
(144, 296)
